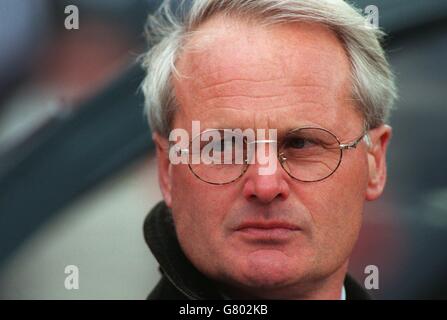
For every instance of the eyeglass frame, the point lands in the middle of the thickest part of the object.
(282, 159)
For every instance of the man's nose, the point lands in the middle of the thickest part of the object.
(266, 188)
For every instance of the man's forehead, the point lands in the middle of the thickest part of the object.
(226, 48)
(300, 70)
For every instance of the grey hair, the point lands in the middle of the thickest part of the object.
(167, 31)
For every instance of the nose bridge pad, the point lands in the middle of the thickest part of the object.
(282, 158)
(283, 161)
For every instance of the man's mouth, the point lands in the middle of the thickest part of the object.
(267, 230)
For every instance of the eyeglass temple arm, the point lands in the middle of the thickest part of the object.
(262, 141)
(181, 151)
(353, 145)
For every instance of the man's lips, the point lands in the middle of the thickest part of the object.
(267, 225)
(267, 230)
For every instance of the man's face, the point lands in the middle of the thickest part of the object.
(236, 75)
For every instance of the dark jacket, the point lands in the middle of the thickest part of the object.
(180, 279)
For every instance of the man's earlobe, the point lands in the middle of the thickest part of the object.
(164, 167)
(380, 138)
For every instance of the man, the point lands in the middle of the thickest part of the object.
(312, 71)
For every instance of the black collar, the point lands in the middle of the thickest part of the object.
(181, 280)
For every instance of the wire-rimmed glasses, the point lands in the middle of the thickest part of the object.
(307, 154)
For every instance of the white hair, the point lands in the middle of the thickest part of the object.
(167, 31)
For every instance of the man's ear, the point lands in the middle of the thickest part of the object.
(164, 167)
(380, 138)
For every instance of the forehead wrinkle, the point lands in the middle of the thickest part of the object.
(216, 68)
(213, 71)
(279, 115)
(285, 89)
(293, 96)
(232, 86)
(261, 89)
(220, 82)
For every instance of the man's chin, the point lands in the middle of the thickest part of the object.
(267, 269)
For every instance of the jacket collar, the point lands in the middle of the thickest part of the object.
(160, 235)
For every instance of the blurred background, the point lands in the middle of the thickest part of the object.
(77, 170)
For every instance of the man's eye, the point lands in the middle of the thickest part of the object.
(298, 143)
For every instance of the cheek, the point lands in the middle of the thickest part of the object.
(197, 199)
(347, 188)
(198, 211)
(190, 212)
(336, 206)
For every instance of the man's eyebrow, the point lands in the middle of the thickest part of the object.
(301, 124)
(227, 118)
(225, 127)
